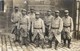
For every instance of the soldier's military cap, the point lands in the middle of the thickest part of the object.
(49, 11)
(57, 11)
(37, 13)
(16, 7)
(24, 10)
(31, 9)
(66, 11)
(28, 11)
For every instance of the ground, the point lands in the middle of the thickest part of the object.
(7, 44)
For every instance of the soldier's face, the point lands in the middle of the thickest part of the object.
(16, 9)
(66, 14)
(37, 16)
(32, 11)
(24, 12)
(49, 13)
(56, 14)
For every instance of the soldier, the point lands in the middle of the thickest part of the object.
(15, 19)
(67, 28)
(38, 28)
(32, 17)
(24, 26)
(56, 28)
(47, 21)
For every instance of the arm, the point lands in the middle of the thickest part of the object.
(50, 24)
(12, 17)
(43, 27)
(19, 20)
(60, 25)
(71, 24)
(32, 27)
(28, 24)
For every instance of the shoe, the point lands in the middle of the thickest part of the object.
(42, 47)
(69, 47)
(15, 40)
(23, 44)
(50, 46)
(19, 41)
(55, 48)
(64, 45)
(37, 45)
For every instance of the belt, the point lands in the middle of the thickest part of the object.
(22, 23)
(37, 28)
(47, 25)
(55, 27)
(15, 22)
(66, 26)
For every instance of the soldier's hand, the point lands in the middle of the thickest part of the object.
(44, 33)
(32, 32)
(58, 32)
(71, 30)
(28, 29)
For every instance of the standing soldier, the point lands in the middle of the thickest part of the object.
(32, 17)
(24, 26)
(47, 21)
(56, 28)
(67, 28)
(38, 28)
(15, 19)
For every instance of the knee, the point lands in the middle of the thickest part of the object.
(56, 41)
(50, 38)
(69, 39)
(42, 38)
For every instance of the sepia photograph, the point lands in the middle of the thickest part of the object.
(39, 25)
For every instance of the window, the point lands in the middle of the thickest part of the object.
(1, 5)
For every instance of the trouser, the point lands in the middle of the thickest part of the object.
(30, 33)
(24, 40)
(69, 41)
(42, 44)
(37, 36)
(17, 33)
(67, 38)
(47, 31)
(30, 36)
(56, 42)
(14, 30)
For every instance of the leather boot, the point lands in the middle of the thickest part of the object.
(42, 44)
(64, 43)
(69, 41)
(50, 44)
(56, 43)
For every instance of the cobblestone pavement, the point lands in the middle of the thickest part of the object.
(7, 44)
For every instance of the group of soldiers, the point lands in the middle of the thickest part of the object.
(31, 25)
